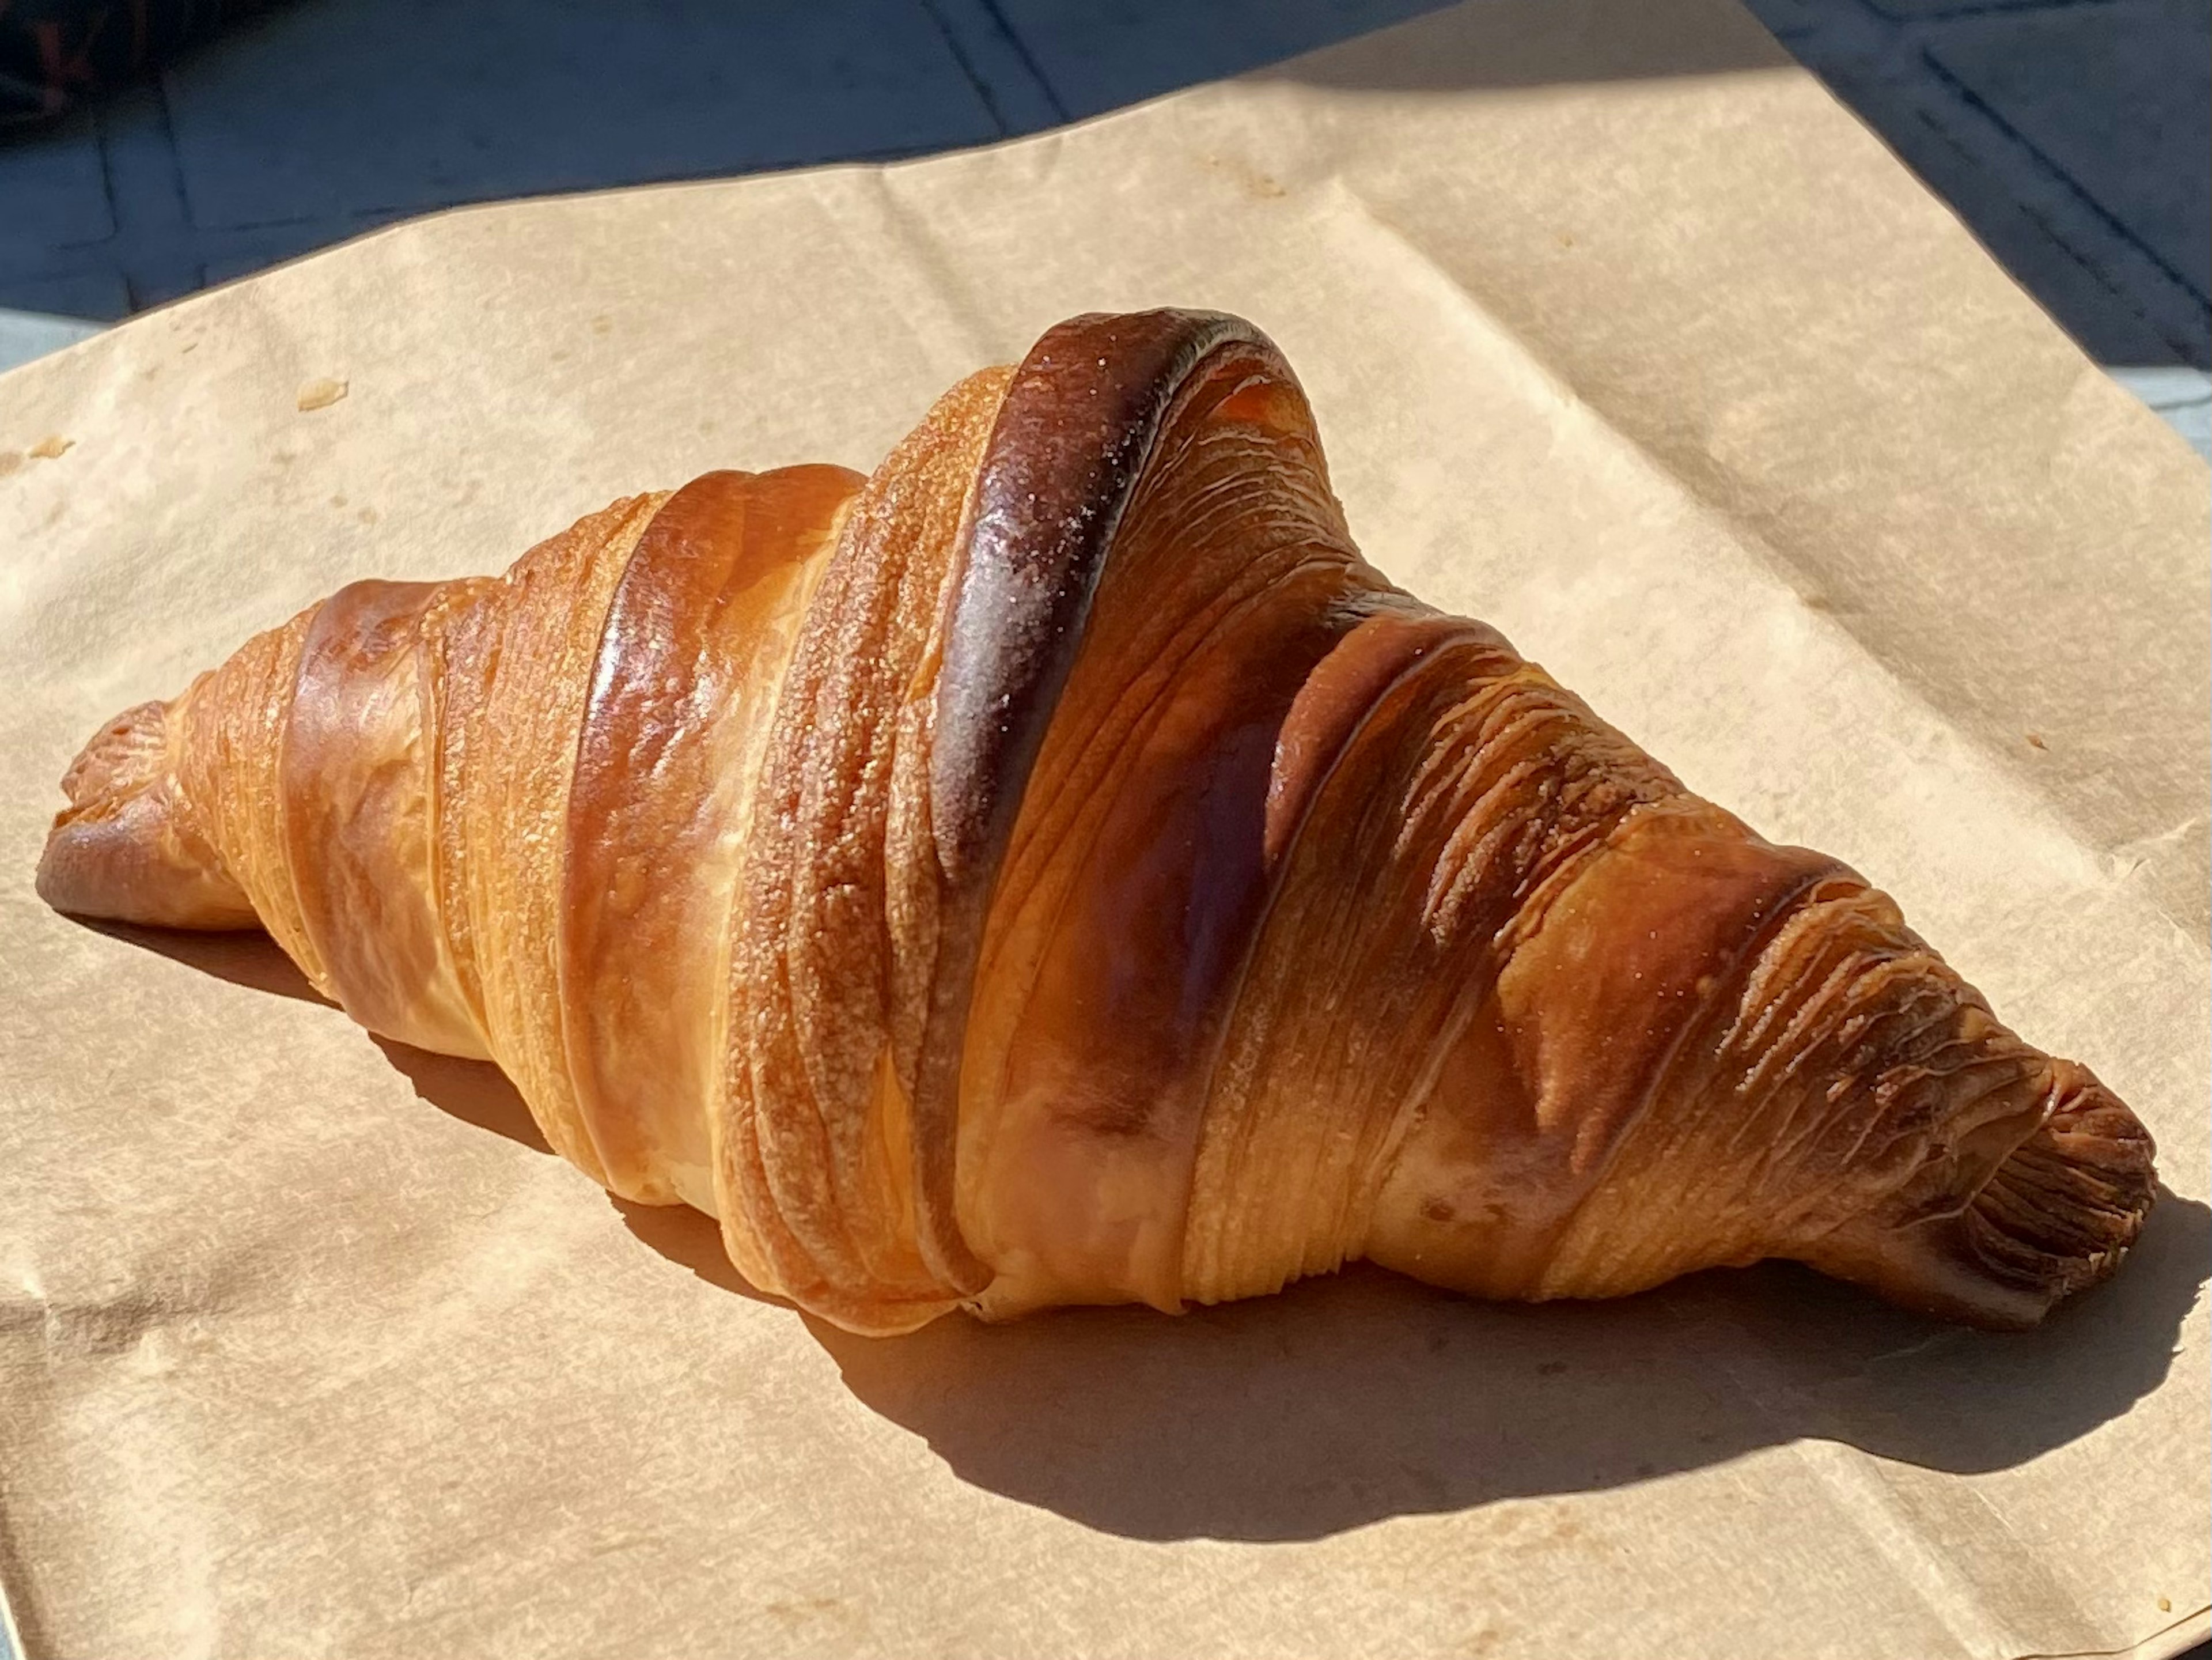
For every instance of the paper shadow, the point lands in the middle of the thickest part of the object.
(474, 1091)
(1363, 1396)
(1359, 1396)
(244, 958)
(479, 1093)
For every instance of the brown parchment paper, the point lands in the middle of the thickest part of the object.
(1622, 336)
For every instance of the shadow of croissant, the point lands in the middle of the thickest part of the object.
(1362, 1396)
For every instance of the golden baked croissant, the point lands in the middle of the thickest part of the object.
(1059, 869)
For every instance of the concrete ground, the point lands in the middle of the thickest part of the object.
(2072, 135)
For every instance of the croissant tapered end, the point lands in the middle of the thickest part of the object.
(124, 850)
(2057, 1216)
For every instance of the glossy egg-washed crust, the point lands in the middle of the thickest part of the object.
(1058, 868)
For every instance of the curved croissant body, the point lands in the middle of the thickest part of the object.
(1058, 868)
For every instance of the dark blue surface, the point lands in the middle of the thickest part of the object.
(2071, 136)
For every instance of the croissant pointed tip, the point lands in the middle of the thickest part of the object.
(122, 850)
(2057, 1215)
(2061, 1213)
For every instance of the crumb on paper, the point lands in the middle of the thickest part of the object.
(2035, 741)
(320, 394)
(1253, 183)
(2166, 1605)
(52, 446)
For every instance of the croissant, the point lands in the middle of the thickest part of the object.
(1059, 869)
